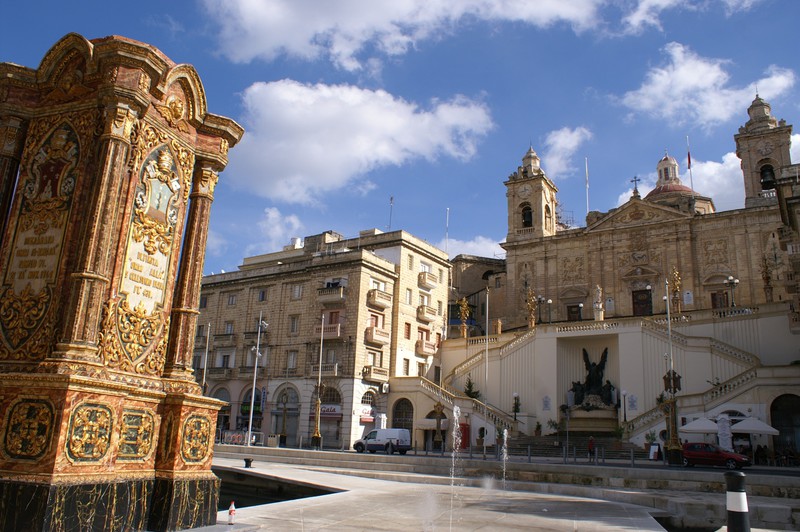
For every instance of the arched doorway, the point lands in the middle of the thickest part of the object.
(785, 416)
(403, 415)
(286, 415)
(224, 414)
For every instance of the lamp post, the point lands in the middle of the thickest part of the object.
(540, 300)
(284, 400)
(731, 282)
(580, 311)
(650, 290)
(672, 383)
(549, 311)
(261, 325)
(316, 438)
(624, 406)
(515, 408)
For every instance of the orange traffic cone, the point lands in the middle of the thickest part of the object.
(232, 514)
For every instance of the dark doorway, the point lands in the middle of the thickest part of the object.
(642, 302)
(785, 416)
(574, 312)
(719, 299)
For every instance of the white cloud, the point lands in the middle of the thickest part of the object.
(343, 30)
(303, 141)
(216, 245)
(560, 146)
(691, 89)
(647, 13)
(275, 231)
(480, 246)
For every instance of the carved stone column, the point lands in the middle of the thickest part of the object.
(12, 136)
(89, 280)
(183, 322)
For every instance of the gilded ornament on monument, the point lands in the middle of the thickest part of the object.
(29, 428)
(173, 112)
(89, 433)
(136, 435)
(196, 442)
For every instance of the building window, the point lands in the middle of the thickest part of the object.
(330, 356)
(548, 218)
(407, 331)
(333, 317)
(424, 267)
(291, 359)
(497, 282)
(200, 330)
(441, 276)
(375, 320)
(527, 216)
(375, 358)
(409, 296)
(231, 300)
(203, 301)
(411, 262)
(228, 327)
(368, 398)
(439, 308)
(424, 299)
(421, 369)
(297, 291)
(294, 324)
(226, 361)
(423, 334)
(379, 285)
(262, 295)
(406, 367)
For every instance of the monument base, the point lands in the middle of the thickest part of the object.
(597, 421)
(156, 505)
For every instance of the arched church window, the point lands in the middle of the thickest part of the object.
(548, 218)
(527, 216)
(767, 177)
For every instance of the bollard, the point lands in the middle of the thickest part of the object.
(738, 514)
(529, 454)
(248, 463)
(633, 458)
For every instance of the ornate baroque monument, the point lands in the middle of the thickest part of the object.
(108, 163)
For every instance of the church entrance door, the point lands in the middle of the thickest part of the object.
(642, 302)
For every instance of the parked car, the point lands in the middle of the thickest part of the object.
(699, 453)
(389, 440)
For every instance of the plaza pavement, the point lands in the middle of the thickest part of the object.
(381, 497)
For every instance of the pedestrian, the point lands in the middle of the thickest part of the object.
(591, 447)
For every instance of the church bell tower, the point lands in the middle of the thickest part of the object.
(531, 200)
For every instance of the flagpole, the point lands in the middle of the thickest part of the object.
(587, 187)
(689, 164)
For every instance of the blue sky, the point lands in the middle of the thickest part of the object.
(347, 104)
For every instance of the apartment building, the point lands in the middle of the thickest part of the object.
(349, 313)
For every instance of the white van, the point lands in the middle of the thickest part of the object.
(388, 440)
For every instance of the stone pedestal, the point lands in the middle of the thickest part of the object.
(599, 313)
(103, 425)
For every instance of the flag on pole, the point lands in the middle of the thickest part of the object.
(689, 157)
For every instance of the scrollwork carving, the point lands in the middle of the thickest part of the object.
(90, 428)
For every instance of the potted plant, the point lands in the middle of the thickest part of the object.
(537, 431)
(650, 439)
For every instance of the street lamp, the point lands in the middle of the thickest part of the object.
(316, 438)
(549, 311)
(672, 383)
(625, 406)
(261, 325)
(650, 291)
(580, 311)
(731, 282)
(540, 300)
(516, 405)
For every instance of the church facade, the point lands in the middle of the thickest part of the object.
(661, 284)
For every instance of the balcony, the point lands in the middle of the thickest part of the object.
(331, 295)
(245, 372)
(328, 332)
(375, 374)
(330, 369)
(219, 373)
(427, 280)
(426, 313)
(224, 339)
(376, 335)
(426, 348)
(379, 298)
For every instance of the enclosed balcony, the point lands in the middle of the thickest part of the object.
(426, 348)
(426, 313)
(328, 332)
(375, 374)
(427, 280)
(376, 335)
(334, 294)
(379, 298)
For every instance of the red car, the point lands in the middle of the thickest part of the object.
(699, 453)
